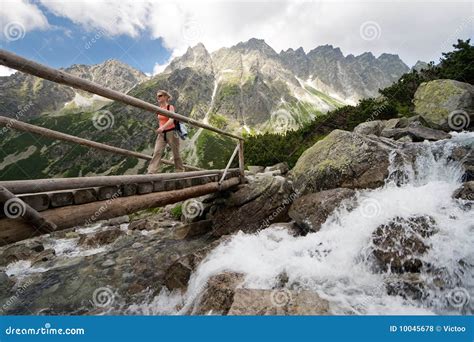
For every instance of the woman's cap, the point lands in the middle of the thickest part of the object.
(164, 92)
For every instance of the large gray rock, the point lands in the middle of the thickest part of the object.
(370, 127)
(343, 159)
(399, 244)
(223, 295)
(282, 167)
(218, 295)
(311, 211)
(465, 192)
(254, 206)
(447, 104)
(178, 274)
(416, 133)
(277, 302)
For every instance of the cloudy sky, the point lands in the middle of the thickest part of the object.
(146, 34)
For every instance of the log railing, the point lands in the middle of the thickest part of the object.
(10, 189)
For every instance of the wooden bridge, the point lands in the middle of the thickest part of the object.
(40, 206)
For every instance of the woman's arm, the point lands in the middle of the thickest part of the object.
(167, 124)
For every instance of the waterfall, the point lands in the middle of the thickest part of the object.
(337, 262)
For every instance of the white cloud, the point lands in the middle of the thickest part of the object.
(17, 17)
(413, 29)
(6, 71)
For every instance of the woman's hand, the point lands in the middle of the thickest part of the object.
(159, 130)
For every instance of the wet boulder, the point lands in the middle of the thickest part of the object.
(277, 302)
(399, 244)
(465, 192)
(265, 199)
(218, 295)
(311, 211)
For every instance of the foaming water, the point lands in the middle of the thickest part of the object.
(337, 262)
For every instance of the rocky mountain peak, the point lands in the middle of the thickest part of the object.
(255, 44)
(420, 65)
(196, 57)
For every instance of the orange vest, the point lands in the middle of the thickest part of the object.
(163, 119)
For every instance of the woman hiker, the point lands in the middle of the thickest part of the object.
(166, 135)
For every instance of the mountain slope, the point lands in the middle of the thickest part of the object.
(25, 96)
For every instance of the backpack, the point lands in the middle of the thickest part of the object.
(180, 128)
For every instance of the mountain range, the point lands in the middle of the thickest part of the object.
(247, 87)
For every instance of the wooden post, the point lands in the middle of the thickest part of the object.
(241, 161)
(49, 133)
(229, 162)
(15, 230)
(57, 184)
(16, 62)
(13, 206)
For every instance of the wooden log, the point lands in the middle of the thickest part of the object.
(22, 213)
(82, 196)
(129, 189)
(39, 202)
(241, 161)
(61, 199)
(55, 184)
(145, 188)
(108, 192)
(19, 63)
(15, 230)
(25, 127)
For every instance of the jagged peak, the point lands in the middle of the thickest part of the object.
(298, 51)
(255, 44)
(200, 48)
(327, 49)
(389, 56)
